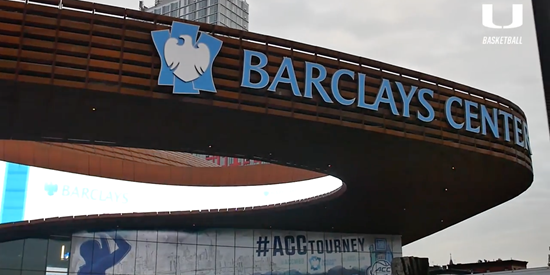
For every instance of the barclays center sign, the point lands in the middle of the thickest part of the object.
(186, 65)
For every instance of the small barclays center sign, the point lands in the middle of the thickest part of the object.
(186, 65)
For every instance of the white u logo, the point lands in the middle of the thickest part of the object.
(487, 17)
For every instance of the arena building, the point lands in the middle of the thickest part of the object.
(114, 120)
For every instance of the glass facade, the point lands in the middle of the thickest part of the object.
(35, 256)
(229, 13)
(208, 252)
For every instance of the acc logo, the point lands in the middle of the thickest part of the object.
(315, 263)
(50, 188)
(381, 257)
(380, 268)
(186, 63)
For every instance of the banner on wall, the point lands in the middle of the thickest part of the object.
(228, 252)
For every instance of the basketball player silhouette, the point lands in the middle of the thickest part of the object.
(98, 257)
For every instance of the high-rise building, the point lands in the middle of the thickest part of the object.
(229, 13)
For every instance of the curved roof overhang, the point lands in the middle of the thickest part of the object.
(61, 83)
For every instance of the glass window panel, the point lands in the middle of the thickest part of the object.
(31, 272)
(56, 271)
(101, 249)
(146, 256)
(244, 238)
(244, 261)
(202, 4)
(202, 13)
(225, 237)
(206, 257)
(381, 249)
(212, 19)
(58, 253)
(397, 246)
(280, 263)
(10, 272)
(225, 259)
(128, 235)
(34, 254)
(166, 259)
(174, 9)
(11, 254)
(206, 272)
(126, 255)
(84, 234)
(80, 259)
(147, 235)
(333, 252)
(365, 261)
(186, 259)
(207, 237)
(315, 253)
(350, 261)
(262, 253)
(187, 237)
(168, 237)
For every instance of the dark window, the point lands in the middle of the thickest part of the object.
(10, 272)
(34, 254)
(58, 253)
(202, 4)
(11, 254)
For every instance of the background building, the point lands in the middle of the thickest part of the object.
(228, 13)
(481, 266)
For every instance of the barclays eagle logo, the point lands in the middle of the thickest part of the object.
(186, 63)
(50, 188)
(315, 263)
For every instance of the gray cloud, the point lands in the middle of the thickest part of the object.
(443, 38)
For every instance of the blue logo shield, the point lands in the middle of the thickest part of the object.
(50, 188)
(186, 63)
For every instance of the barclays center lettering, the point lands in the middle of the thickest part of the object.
(92, 194)
(231, 251)
(488, 118)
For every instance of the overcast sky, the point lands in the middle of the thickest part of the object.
(442, 38)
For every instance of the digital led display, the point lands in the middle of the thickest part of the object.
(28, 193)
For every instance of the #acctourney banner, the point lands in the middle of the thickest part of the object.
(231, 251)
